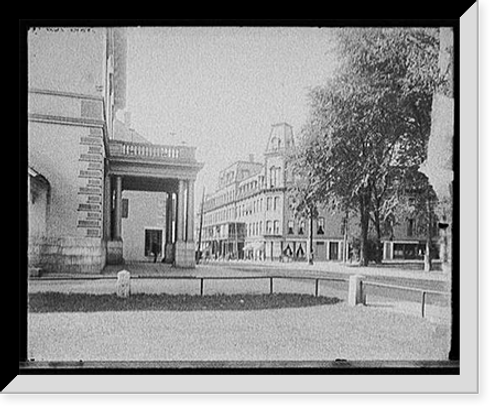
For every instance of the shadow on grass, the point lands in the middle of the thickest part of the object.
(52, 302)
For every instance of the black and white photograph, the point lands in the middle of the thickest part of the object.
(244, 199)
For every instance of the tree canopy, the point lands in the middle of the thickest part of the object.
(371, 121)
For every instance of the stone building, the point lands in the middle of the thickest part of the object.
(82, 160)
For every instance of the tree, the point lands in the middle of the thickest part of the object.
(423, 201)
(303, 198)
(371, 121)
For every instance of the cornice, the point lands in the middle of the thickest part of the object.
(57, 119)
(65, 94)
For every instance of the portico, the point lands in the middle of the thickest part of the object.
(147, 167)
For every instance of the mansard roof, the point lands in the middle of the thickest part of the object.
(280, 137)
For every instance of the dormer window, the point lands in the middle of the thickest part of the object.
(275, 142)
(321, 226)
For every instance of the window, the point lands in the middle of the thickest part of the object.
(409, 227)
(301, 227)
(274, 143)
(276, 202)
(269, 227)
(290, 227)
(276, 227)
(343, 226)
(274, 176)
(125, 208)
(321, 226)
(269, 201)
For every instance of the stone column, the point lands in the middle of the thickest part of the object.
(169, 255)
(184, 248)
(181, 207)
(118, 208)
(190, 212)
(168, 219)
(114, 245)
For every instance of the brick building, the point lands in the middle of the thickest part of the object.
(248, 216)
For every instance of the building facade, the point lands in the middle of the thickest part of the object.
(82, 160)
(249, 217)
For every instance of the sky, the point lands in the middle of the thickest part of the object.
(220, 89)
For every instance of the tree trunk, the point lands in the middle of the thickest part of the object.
(311, 252)
(363, 254)
(428, 258)
(345, 252)
(378, 253)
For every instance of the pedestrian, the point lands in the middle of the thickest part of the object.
(155, 251)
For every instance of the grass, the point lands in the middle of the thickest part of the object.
(50, 302)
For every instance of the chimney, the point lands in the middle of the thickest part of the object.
(128, 117)
(251, 158)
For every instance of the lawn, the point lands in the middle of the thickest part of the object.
(50, 302)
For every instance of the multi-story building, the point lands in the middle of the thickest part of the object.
(249, 216)
(81, 160)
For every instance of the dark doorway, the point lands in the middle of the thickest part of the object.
(153, 243)
(334, 251)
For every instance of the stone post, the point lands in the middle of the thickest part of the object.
(123, 284)
(356, 293)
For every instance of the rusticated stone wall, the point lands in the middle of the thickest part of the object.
(67, 254)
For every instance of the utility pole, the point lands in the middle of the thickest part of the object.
(311, 249)
(198, 252)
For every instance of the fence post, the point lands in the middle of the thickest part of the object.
(271, 285)
(316, 291)
(201, 287)
(355, 296)
(423, 303)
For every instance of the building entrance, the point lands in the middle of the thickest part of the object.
(334, 251)
(153, 243)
